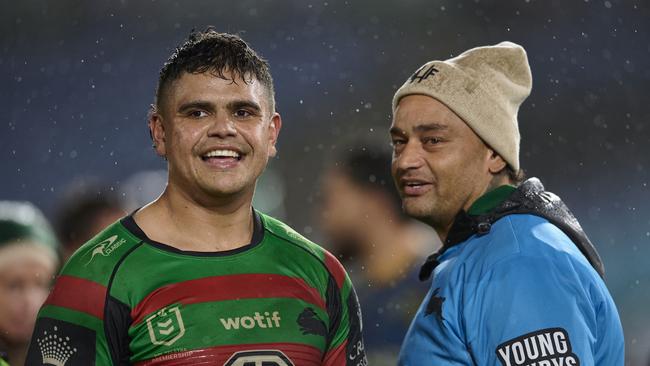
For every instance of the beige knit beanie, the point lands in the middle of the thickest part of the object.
(485, 87)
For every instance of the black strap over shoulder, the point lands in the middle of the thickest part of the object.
(529, 198)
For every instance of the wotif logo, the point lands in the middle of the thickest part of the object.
(106, 247)
(249, 322)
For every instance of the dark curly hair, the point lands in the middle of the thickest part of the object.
(368, 166)
(214, 52)
(516, 176)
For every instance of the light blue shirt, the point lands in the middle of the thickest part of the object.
(522, 294)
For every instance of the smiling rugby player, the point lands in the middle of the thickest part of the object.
(198, 276)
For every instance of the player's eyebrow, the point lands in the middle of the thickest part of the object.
(396, 131)
(420, 128)
(196, 104)
(239, 104)
(430, 127)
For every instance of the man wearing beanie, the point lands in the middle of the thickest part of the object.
(517, 281)
(28, 261)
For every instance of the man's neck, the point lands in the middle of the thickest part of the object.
(442, 228)
(490, 200)
(180, 221)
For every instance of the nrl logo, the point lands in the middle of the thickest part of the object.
(106, 247)
(166, 326)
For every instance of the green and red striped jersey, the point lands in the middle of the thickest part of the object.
(126, 299)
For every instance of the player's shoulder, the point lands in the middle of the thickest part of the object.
(517, 238)
(99, 255)
(536, 236)
(284, 234)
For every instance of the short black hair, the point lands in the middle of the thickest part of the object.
(77, 214)
(214, 52)
(369, 166)
(516, 176)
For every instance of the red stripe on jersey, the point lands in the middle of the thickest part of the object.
(336, 357)
(231, 287)
(335, 268)
(298, 354)
(78, 294)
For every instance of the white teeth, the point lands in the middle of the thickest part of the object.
(221, 154)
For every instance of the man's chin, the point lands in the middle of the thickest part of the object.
(224, 191)
(417, 211)
(426, 211)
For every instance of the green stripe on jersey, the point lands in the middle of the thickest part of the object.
(150, 267)
(72, 316)
(204, 325)
(96, 259)
(283, 231)
(341, 335)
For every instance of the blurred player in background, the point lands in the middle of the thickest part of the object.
(381, 247)
(28, 263)
(198, 275)
(83, 214)
(517, 281)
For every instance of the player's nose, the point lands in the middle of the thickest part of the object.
(409, 158)
(222, 126)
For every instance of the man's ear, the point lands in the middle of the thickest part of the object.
(495, 162)
(157, 132)
(274, 131)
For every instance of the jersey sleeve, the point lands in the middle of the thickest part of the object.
(344, 340)
(543, 311)
(80, 323)
(69, 329)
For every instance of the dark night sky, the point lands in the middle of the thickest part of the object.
(77, 78)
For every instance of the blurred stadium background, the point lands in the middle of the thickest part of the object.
(77, 78)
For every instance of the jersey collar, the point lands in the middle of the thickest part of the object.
(258, 234)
